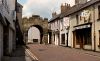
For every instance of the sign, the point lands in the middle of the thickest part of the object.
(82, 27)
(86, 14)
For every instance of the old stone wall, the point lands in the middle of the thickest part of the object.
(35, 20)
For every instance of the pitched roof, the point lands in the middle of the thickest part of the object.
(75, 9)
(79, 7)
(52, 19)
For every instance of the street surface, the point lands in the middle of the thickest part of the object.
(59, 53)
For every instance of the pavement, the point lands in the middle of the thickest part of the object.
(59, 53)
(19, 55)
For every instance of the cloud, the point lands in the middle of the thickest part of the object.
(43, 8)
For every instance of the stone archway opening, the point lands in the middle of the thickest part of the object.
(35, 34)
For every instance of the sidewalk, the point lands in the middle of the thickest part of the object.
(19, 55)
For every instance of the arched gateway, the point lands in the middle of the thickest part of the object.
(35, 29)
(35, 34)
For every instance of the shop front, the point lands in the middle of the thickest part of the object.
(82, 37)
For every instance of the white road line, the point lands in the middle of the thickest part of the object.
(31, 55)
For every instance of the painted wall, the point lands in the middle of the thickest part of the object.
(64, 24)
(55, 26)
(97, 26)
(72, 23)
(56, 39)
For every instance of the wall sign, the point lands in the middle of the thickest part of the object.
(86, 14)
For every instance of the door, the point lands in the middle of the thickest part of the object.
(81, 32)
(67, 39)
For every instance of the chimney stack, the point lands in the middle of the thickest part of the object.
(65, 7)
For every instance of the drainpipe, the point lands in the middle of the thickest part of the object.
(94, 28)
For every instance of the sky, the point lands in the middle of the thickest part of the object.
(44, 8)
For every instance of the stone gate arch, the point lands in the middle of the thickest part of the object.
(40, 30)
(39, 23)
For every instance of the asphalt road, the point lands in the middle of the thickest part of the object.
(58, 53)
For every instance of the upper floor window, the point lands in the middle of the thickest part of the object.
(98, 12)
(77, 19)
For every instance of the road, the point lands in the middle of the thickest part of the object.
(58, 53)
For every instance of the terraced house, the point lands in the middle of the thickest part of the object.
(7, 27)
(83, 25)
(59, 26)
(84, 28)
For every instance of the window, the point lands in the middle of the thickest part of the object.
(80, 18)
(99, 37)
(87, 37)
(98, 12)
(63, 38)
(61, 25)
(77, 19)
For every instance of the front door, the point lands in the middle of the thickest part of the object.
(81, 42)
(67, 39)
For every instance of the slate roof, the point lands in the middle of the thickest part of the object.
(79, 7)
(75, 9)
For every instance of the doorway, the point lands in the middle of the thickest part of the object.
(50, 35)
(67, 39)
(63, 39)
(5, 40)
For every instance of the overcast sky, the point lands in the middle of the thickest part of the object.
(44, 8)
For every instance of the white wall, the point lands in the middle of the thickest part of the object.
(33, 33)
(97, 27)
(55, 25)
(64, 24)
(72, 24)
(56, 39)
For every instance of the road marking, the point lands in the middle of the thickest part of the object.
(32, 55)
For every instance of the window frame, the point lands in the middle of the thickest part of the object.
(99, 12)
(77, 19)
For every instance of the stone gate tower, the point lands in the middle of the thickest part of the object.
(39, 23)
